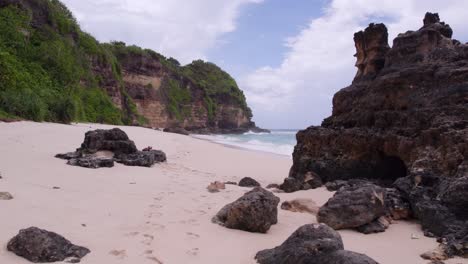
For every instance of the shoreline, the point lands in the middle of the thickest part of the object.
(163, 213)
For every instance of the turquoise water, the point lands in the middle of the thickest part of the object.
(281, 141)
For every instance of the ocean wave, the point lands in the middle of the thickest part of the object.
(260, 143)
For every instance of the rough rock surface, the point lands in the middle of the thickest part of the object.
(248, 182)
(312, 244)
(255, 211)
(102, 147)
(353, 207)
(37, 245)
(402, 121)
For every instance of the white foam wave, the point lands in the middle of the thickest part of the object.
(253, 144)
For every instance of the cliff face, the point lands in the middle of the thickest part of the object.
(69, 76)
(169, 95)
(403, 121)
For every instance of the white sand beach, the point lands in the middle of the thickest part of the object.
(160, 214)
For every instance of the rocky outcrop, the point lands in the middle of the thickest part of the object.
(255, 211)
(312, 244)
(248, 182)
(38, 245)
(102, 147)
(353, 207)
(402, 122)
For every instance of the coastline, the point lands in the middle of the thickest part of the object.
(160, 214)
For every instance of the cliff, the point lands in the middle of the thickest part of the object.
(53, 71)
(401, 123)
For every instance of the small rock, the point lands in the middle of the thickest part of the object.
(436, 254)
(38, 245)
(414, 236)
(255, 211)
(56, 188)
(230, 183)
(216, 186)
(301, 206)
(248, 182)
(291, 185)
(6, 196)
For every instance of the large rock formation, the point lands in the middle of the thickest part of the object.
(102, 147)
(255, 211)
(311, 244)
(38, 245)
(404, 121)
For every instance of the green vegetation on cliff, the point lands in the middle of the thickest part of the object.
(44, 75)
(50, 70)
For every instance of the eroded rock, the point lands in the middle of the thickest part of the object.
(248, 182)
(353, 207)
(403, 123)
(38, 245)
(313, 243)
(102, 147)
(255, 211)
(216, 186)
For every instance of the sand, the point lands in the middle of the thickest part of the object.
(160, 214)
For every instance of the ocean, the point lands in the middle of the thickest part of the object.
(279, 141)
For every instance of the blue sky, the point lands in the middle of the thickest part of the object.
(289, 57)
(259, 38)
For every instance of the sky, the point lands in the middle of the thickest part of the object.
(289, 57)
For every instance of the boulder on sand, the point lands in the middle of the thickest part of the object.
(102, 147)
(255, 211)
(312, 243)
(37, 245)
(248, 182)
(353, 207)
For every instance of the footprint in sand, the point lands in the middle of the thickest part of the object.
(148, 239)
(192, 235)
(120, 254)
(192, 252)
(132, 234)
(158, 226)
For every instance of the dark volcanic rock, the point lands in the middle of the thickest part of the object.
(141, 158)
(248, 182)
(37, 245)
(114, 140)
(312, 244)
(102, 147)
(176, 130)
(93, 163)
(255, 211)
(403, 120)
(291, 185)
(378, 225)
(353, 207)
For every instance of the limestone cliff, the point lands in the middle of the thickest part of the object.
(65, 75)
(402, 122)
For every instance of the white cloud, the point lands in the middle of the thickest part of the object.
(184, 29)
(320, 59)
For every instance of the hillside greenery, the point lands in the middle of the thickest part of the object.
(46, 71)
